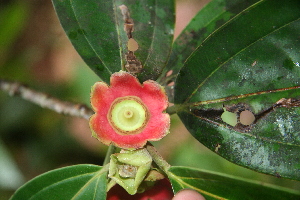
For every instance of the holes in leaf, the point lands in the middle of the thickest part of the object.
(229, 118)
(217, 147)
(169, 73)
(171, 83)
(247, 117)
(239, 116)
(132, 45)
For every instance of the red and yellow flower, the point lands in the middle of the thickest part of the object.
(127, 113)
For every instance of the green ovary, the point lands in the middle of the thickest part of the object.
(128, 115)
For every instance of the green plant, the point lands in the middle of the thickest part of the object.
(234, 57)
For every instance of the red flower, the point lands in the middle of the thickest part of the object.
(128, 114)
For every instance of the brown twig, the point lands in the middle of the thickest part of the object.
(44, 100)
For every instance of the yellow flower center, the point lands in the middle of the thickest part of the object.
(128, 115)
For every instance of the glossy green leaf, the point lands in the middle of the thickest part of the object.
(219, 186)
(74, 182)
(96, 29)
(248, 64)
(207, 20)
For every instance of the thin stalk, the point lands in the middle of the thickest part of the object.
(111, 150)
(174, 109)
(157, 158)
(44, 100)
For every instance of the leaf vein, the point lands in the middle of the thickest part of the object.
(231, 57)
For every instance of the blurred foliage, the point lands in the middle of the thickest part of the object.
(35, 50)
(34, 140)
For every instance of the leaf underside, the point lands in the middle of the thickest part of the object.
(249, 63)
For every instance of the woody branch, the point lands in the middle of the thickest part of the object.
(44, 100)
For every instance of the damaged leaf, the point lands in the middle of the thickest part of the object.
(248, 65)
(96, 29)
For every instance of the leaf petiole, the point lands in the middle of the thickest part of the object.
(157, 158)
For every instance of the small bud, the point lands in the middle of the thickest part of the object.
(129, 168)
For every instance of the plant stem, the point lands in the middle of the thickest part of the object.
(157, 158)
(44, 100)
(111, 150)
(174, 109)
(110, 184)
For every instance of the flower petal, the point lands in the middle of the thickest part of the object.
(98, 94)
(123, 84)
(101, 129)
(154, 96)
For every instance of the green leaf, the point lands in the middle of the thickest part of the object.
(207, 20)
(74, 182)
(219, 186)
(248, 64)
(96, 29)
(10, 175)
